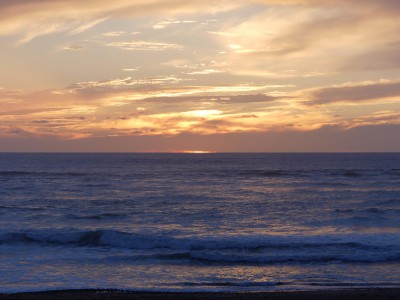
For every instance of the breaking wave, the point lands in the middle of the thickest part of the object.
(226, 249)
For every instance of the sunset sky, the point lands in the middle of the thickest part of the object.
(174, 75)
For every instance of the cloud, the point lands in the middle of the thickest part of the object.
(354, 93)
(198, 68)
(164, 24)
(159, 105)
(131, 69)
(33, 18)
(123, 105)
(385, 56)
(170, 105)
(113, 34)
(168, 87)
(377, 118)
(87, 25)
(73, 47)
(389, 6)
(133, 89)
(204, 72)
(144, 46)
(326, 139)
(251, 98)
(280, 40)
(222, 33)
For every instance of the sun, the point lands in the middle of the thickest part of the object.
(197, 151)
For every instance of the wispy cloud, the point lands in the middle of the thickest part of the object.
(112, 34)
(166, 23)
(377, 118)
(235, 99)
(205, 72)
(41, 29)
(144, 46)
(87, 25)
(222, 33)
(34, 18)
(73, 47)
(289, 35)
(131, 69)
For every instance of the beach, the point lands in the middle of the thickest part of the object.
(343, 294)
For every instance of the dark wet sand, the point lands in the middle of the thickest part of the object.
(353, 294)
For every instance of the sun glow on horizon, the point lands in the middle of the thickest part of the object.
(196, 151)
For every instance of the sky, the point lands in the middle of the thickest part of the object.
(173, 75)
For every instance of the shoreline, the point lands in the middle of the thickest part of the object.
(108, 294)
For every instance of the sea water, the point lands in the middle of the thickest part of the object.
(199, 222)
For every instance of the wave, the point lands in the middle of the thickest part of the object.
(294, 285)
(394, 172)
(349, 173)
(264, 249)
(210, 257)
(21, 208)
(369, 210)
(96, 216)
(24, 173)
(270, 173)
(232, 283)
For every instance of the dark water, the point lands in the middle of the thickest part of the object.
(199, 221)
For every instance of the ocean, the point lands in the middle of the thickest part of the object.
(199, 222)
